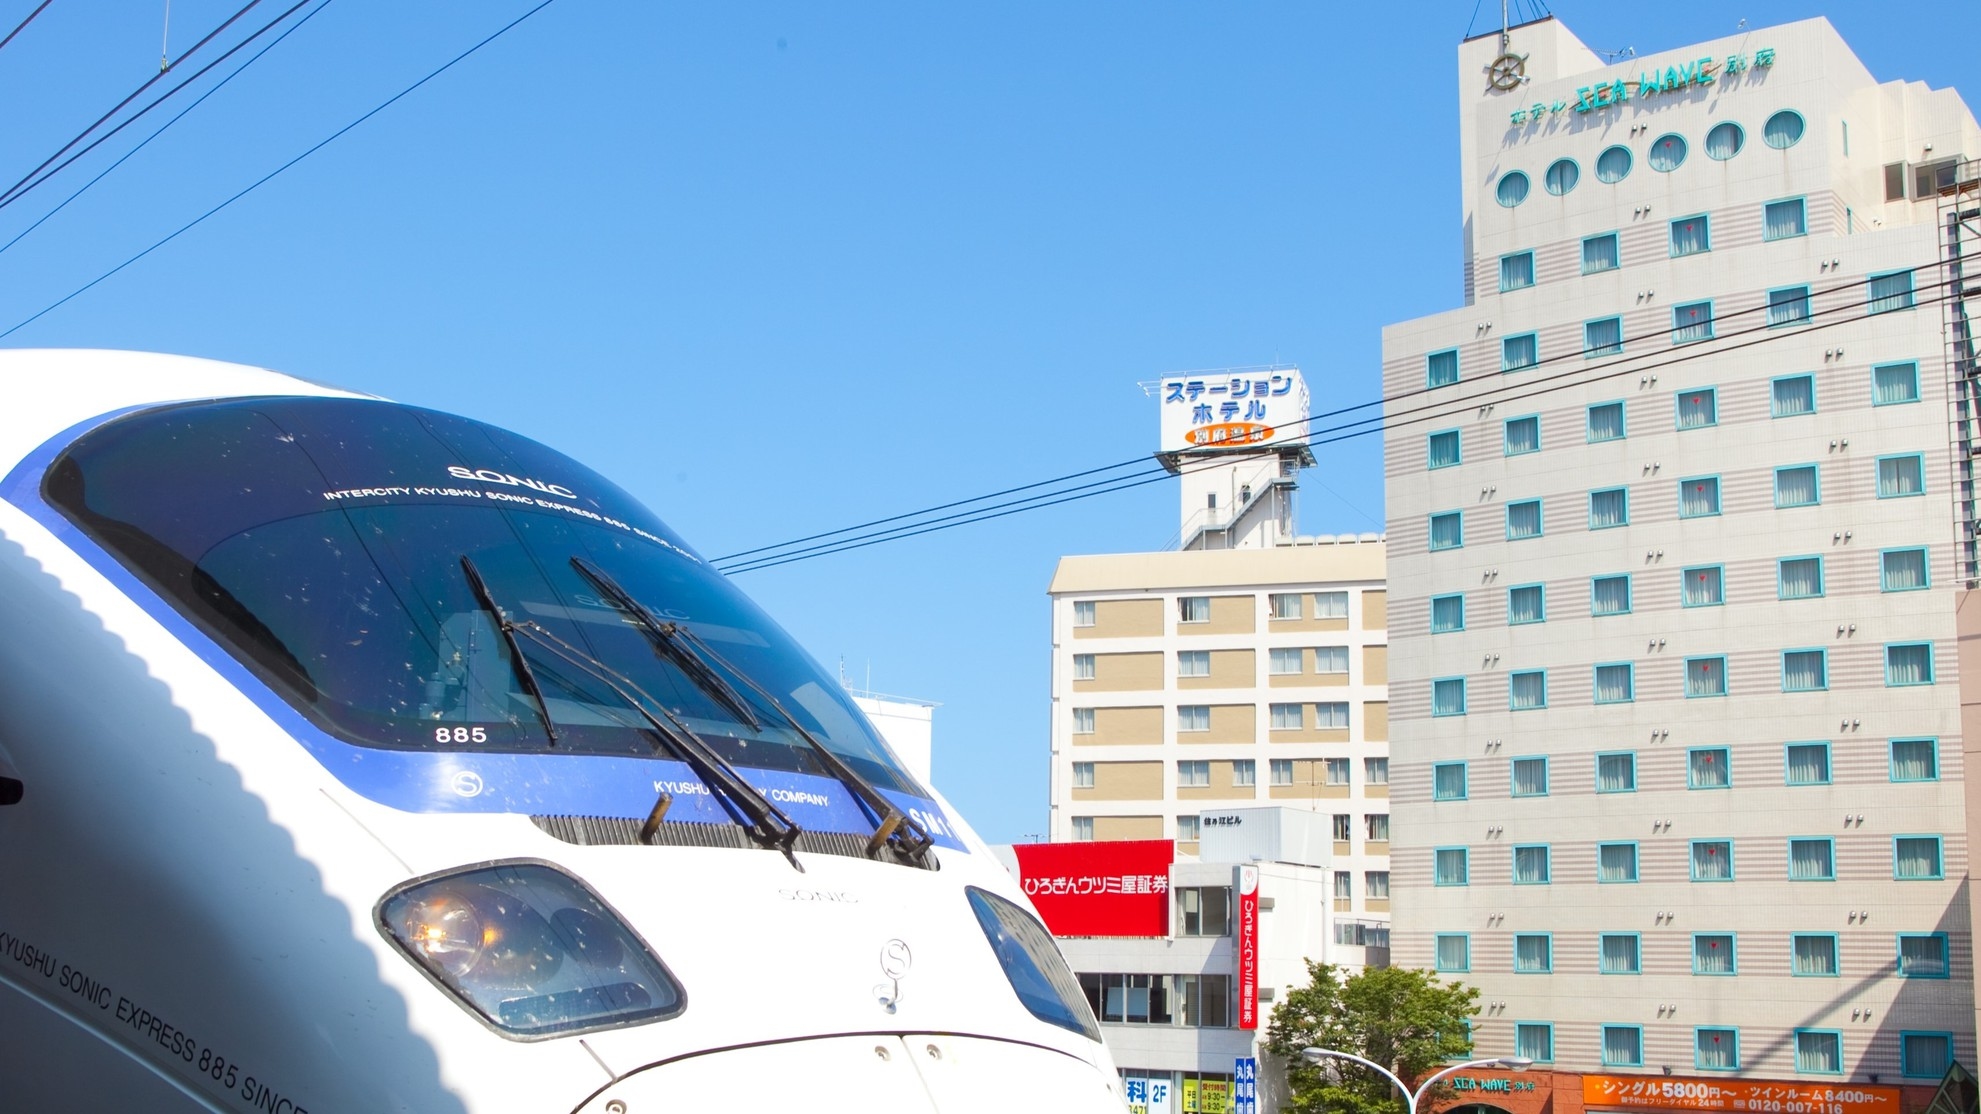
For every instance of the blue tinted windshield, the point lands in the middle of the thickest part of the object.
(320, 541)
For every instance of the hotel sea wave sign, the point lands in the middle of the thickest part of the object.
(1649, 83)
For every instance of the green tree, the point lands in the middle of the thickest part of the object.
(1405, 1020)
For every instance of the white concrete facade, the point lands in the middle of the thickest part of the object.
(1748, 601)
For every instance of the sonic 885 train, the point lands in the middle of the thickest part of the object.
(356, 757)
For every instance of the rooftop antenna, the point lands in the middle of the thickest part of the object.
(1506, 29)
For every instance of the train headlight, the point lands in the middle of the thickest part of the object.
(529, 949)
(1033, 964)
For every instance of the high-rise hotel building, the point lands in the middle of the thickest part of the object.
(1680, 559)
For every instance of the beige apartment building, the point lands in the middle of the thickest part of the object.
(1681, 529)
(1197, 681)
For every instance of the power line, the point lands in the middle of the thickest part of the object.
(23, 25)
(264, 179)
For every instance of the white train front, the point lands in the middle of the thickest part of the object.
(356, 757)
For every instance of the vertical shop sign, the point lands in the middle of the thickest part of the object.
(1248, 947)
(1245, 1086)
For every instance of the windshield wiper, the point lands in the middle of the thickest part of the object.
(517, 662)
(667, 645)
(892, 827)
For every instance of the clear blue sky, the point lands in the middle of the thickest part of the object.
(780, 268)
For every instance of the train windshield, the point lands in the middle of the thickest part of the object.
(320, 541)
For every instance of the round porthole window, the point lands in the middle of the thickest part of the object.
(1512, 189)
(1784, 129)
(1562, 176)
(1613, 165)
(1667, 153)
(1724, 141)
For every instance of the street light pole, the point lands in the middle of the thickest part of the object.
(1515, 1063)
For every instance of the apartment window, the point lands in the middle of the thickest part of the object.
(1528, 690)
(1447, 530)
(1602, 337)
(1526, 604)
(1441, 368)
(1375, 771)
(1616, 862)
(1781, 220)
(1083, 775)
(1448, 697)
(1712, 953)
(1523, 519)
(1704, 586)
(1530, 777)
(1690, 236)
(1934, 177)
(1330, 605)
(1916, 858)
(1799, 578)
(1819, 1051)
(1925, 1055)
(1344, 825)
(1609, 595)
(1195, 774)
(1915, 760)
(1699, 497)
(1615, 683)
(1812, 859)
(1724, 141)
(1448, 781)
(1806, 764)
(1083, 667)
(1287, 717)
(1533, 953)
(1517, 270)
(1902, 570)
(1187, 829)
(1783, 130)
(1599, 252)
(1805, 671)
(1623, 1045)
(1716, 1049)
(1788, 306)
(1337, 771)
(1616, 773)
(1712, 860)
(1792, 396)
(1443, 453)
(1376, 827)
(1909, 663)
(1083, 613)
(1284, 661)
(1796, 486)
(1619, 954)
(1375, 885)
(1606, 422)
(1454, 952)
(1705, 676)
(1613, 165)
(1286, 605)
(1609, 507)
(1512, 189)
(1193, 609)
(1813, 954)
(1281, 771)
(1895, 181)
(1889, 292)
(1331, 659)
(1530, 865)
(1922, 956)
(1193, 717)
(1244, 773)
(1451, 867)
(1707, 768)
(1332, 716)
(1534, 1040)
(1203, 910)
(1523, 435)
(1690, 322)
(1900, 476)
(1561, 176)
(1193, 663)
(1519, 352)
(1447, 614)
(1698, 409)
(1894, 383)
(1083, 721)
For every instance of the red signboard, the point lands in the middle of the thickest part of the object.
(1109, 888)
(1248, 947)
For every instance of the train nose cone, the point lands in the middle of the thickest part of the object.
(914, 1073)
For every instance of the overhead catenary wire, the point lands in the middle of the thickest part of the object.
(266, 178)
(1522, 388)
(23, 24)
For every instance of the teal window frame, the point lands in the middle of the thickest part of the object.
(1547, 1029)
(1815, 471)
(1912, 366)
(1623, 422)
(1692, 860)
(1801, 203)
(1822, 577)
(1432, 367)
(1590, 349)
(1774, 410)
(1547, 966)
(1629, 595)
(1464, 780)
(1794, 295)
(1431, 536)
(1878, 486)
(1678, 327)
(1834, 1034)
(1511, 780)
(1625, 521)
(1823, 656)
(1905, 1062)
(1726, 763)
(1836, 955)
(1829, 760)
(1939, 859)
(1733, 954)
(1629, 754)
(1611, 236)
(1636, 861)
(1449, 437)
(1509, 257)
(1630, 675)
(1930, 665)
(1637, 953)
(1946, 955)
(1719, 582)
(1678, 411)
(1540, 520)
(1506, 367)
(1717, 501)
(1464, 861)
(1506, 441)
(1603, 1046)
(1726, 682)
(1899, 302)
(1699, 1033)
(1547, 858)
(1543, 615)
(1511, 677)
(1459, 597)
(1437, 952)
(1891, 758)
(1706, 235)
(1460, 682)
(1830, 841)
(1925, 564)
